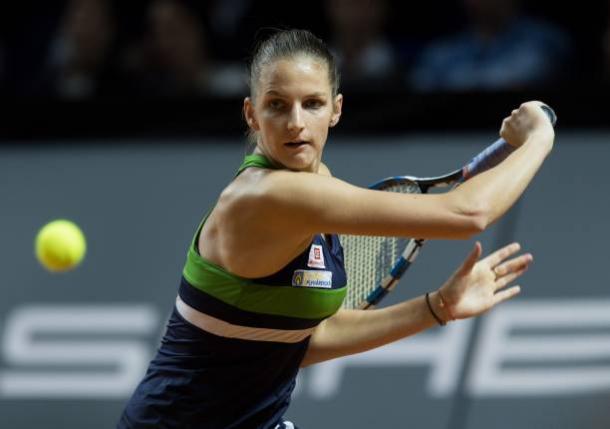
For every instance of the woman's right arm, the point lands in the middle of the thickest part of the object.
(314, 203)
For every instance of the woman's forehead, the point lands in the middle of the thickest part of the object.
(295, 72)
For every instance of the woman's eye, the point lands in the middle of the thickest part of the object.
(276, 104)
(313, 104)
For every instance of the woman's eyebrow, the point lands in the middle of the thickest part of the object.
(279, 94)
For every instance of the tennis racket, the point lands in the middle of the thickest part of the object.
(374, 265)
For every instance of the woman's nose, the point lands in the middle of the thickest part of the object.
(295, 121)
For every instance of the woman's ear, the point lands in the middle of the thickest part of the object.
(250, 115)
(337, 106)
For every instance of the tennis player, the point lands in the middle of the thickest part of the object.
(264, 278)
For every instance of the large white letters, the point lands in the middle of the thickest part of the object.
(572, 337)
(524, 348)
(81, 352)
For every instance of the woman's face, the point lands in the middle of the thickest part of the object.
(292, 111)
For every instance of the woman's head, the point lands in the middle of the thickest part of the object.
(294, 98)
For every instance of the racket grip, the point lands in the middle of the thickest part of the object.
(497, 152)
(488, 158)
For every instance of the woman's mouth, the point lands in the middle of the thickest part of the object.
(296, 144)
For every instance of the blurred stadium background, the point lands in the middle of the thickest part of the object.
(126, 118)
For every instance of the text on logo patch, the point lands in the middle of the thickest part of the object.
(311, 278)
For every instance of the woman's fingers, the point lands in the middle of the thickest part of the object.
(514, 264)
(506, 294)
(505, 280)
(500, 255)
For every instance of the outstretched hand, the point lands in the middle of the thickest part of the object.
(478, 285)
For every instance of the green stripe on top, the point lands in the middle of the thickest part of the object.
(259, 161)
(291, 301)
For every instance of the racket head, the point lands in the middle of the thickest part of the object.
(374, 265)
(369, 260)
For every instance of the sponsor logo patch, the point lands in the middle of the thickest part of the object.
(311, 278)
(316, 257)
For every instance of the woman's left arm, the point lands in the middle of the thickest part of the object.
(474, 288)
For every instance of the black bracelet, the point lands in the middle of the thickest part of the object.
(438, 319)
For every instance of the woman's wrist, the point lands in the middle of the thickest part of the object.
(445, 306)
(541, 139)
(439, 308)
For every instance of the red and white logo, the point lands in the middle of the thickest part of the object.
(316, 257)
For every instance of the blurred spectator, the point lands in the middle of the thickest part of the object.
(606, 48)
(502, 49)
(79, 63)
(235, 26)
(227, 22)
(366, 58)
(2, 69)
(173, 58)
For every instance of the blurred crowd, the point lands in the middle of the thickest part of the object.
(78, 49)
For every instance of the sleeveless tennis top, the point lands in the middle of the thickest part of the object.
(233, 345)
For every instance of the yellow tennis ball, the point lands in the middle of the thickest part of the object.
(60, 245)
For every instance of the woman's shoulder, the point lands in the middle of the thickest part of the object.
(324, 170)
(266, 191)
(254, 187)
(247, 232)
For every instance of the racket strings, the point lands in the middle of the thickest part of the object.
(369, 260)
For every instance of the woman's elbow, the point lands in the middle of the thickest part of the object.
(472, 221)
(478, 218)
(471, 216)
(479, 223)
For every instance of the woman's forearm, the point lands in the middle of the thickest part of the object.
(355, 331)
(493, 192)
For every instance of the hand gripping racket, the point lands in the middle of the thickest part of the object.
(374, 265)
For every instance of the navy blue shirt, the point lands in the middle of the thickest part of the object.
(202, 380)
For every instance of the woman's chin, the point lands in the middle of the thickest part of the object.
(301, 162)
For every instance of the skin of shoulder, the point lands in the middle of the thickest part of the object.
(247, 217)
(324, 170)
(243, 219)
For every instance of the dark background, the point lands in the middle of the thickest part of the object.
(28, 28)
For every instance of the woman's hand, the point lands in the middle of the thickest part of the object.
(528, 119)
(477, 285)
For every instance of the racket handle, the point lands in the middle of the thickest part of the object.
(497, 152)
(488, 158)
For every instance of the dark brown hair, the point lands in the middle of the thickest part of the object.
(288, 44)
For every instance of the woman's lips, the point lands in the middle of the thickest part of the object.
(296, 144)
